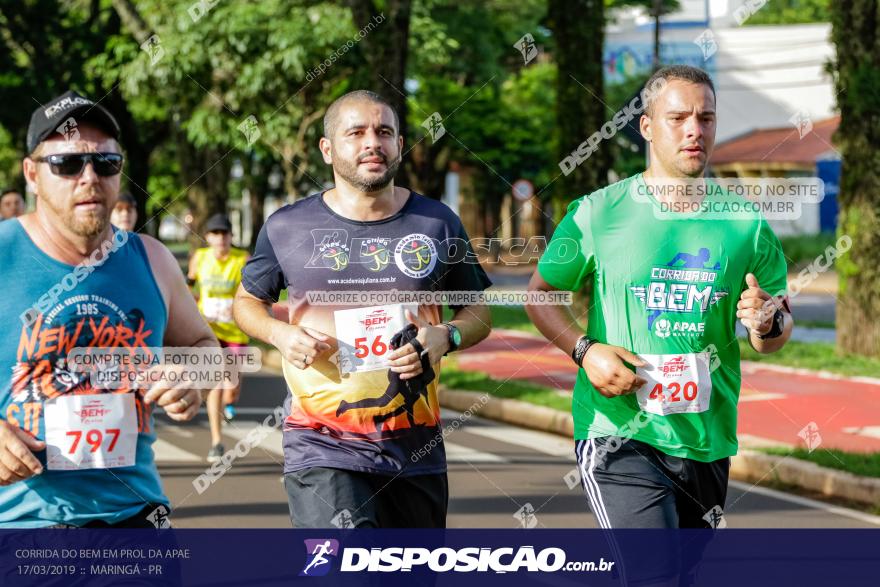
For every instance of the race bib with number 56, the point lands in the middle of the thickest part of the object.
(676, 384)
(364, 335)
(91, 432)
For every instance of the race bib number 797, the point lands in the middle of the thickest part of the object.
(91, 431)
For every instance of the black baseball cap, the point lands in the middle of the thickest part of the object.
(218, 223)
(46, 120)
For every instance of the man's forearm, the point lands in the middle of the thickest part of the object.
(254, 318)
(474, 323)
(558, 325)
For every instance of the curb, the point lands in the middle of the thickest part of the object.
(754, 466)
(747, 465)
(509, 411)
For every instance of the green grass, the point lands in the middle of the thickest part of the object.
(802, 250)
(813, 324)
(814, 355)
(865, 464)
(510, 317)
(178, 247)
(513, 318)
(526, 391)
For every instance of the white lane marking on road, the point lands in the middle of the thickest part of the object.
(550, 444)
(807, 502)
(166, 452)
(183, 432)
(271, 437)
(458, 453)
(760, 397)
(869, 431)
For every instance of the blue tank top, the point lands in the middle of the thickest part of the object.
(46, 308)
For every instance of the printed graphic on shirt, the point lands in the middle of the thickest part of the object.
(41, 372)
(687, 284)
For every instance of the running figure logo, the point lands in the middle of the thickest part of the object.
(526, 516)
(319, 554)
(159, 517)
(69, 130)
(526, 46)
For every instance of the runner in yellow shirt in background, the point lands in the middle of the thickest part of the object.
(214, 273)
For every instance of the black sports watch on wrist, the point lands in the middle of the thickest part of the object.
(581, 347)
(454, 337)
(777, 328)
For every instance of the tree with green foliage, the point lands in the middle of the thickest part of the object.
(856, 71)
(791, 12)
(48, 47)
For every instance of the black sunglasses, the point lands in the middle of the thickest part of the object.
(72, 164)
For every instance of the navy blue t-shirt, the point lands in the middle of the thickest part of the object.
(340, 415)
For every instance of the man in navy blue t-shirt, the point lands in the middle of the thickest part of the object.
(363, 445)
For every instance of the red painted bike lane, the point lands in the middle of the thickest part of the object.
(776, 403)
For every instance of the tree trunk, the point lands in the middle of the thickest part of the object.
(857, 69)
(256, 181)
(579, 29)
(204, 174)
(657, 11)
(385, 48)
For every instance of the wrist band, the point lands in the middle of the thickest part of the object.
(776, 329)
(580, 349)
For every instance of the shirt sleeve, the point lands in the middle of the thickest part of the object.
(466, 274)
(570, 259)
(262, 275)
(768, 263)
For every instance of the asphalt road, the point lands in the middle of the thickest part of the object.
(496, 472)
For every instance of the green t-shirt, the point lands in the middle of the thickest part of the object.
(664, 285)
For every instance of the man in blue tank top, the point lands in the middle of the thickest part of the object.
(73, 453)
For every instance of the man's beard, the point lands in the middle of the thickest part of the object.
(348, 170)
(87, 225)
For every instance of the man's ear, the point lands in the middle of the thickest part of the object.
(324, 145)
(645, 127)
(29, 169)
(400, 143)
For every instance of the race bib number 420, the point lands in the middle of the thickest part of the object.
(364, 335)
(676, 384)
(91, 432)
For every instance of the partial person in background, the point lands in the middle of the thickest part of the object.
(11, 204)
(124, 213)
(215, 273)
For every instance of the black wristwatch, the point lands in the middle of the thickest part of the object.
(777, 328)
(454, 337)
(581, 347)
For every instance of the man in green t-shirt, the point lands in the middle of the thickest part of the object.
(670, 270)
